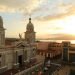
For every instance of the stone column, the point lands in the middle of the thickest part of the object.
(15, 58)
(3, 60)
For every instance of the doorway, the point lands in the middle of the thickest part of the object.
(20, 60)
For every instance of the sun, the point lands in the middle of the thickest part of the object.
(68, 25)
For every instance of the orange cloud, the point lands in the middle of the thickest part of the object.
(57, 37)
(70, 10)
(23, 6)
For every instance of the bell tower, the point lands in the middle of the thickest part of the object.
(2, 33)
(30, 33)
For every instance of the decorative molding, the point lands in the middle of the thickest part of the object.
(3, 67)
(16, 64)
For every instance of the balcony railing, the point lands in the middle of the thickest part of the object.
(32, 68)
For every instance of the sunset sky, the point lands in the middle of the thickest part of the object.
(54, 19)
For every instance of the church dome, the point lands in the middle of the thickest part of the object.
(30, 26)
(1, 22)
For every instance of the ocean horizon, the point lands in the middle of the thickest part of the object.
(59, 41)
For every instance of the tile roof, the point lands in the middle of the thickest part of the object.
(42, 45)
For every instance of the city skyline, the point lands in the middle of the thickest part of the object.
(51, 19)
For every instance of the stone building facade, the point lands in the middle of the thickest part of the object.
(2, 33)
(19, 53)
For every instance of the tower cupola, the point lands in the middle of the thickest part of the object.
(30, 26)
(30, 33)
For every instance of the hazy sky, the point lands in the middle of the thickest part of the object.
(53, 19)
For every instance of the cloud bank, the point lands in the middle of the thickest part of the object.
(26, 6)
(41, 9)
(57, 37)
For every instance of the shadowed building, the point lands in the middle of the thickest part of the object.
(18, 53)
(68, 52)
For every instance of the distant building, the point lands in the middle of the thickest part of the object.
(52, 49)
(10, 41)
(65, 51)
(68, 52)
